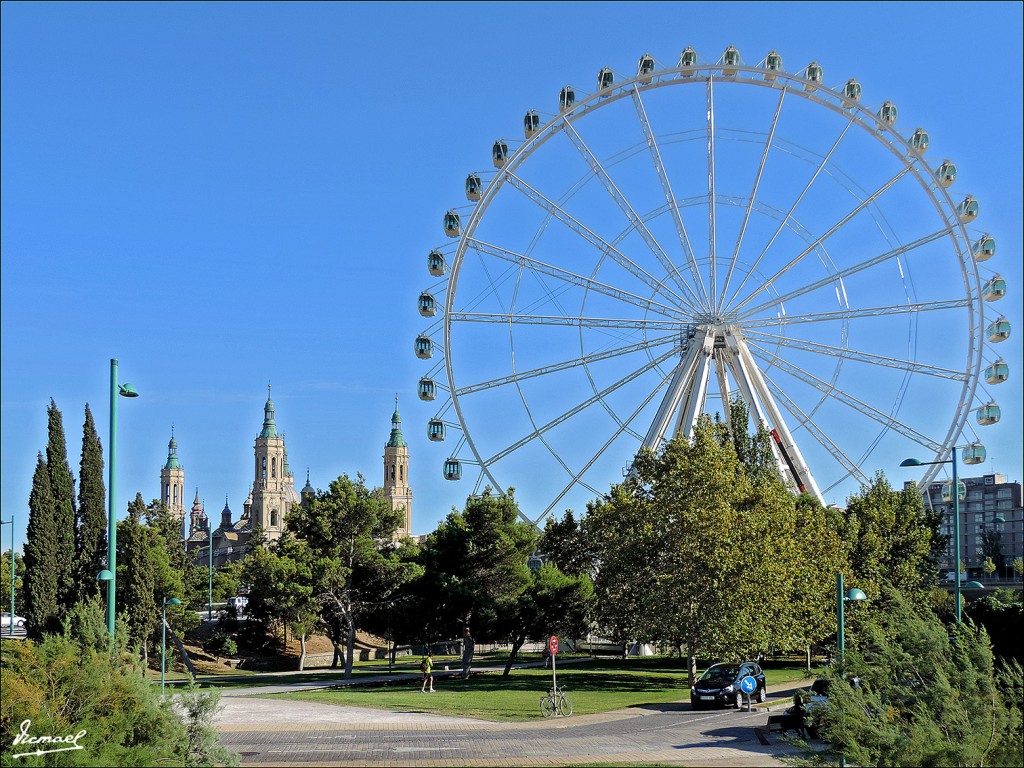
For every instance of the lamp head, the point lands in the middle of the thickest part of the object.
(855, 595)
(172, 601)
(911, 463)
(974, 585)
(999, 519)
(104, 575)
(127, 390)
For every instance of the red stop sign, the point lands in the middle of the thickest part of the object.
(553, 645)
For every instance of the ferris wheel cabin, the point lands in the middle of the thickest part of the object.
(968, 209)
(999, 330)
(531, 123)
(452, 224)
(730, 60)
(435, 263)
(888, 113)
(435, 430)
(426, 389)
(424, 348)
(946, 173)
(919, 141)
(688, 58)
(474, 187)
(605, 79)
(426, 305)
(814, 76)
(852, 90)
(566, 98)
(987, 414)
(772, 65)
(645, 68)
(997, 373)
(994, 289)
(452, 469)
(984, 249)
(947, 491)
(974, 453)
(499, 153)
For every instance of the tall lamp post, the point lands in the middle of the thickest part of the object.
(854, 595)
(10, 522)
(163, 640)
(124, 390)
(956, 521)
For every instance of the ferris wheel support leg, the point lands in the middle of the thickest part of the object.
(696, 394)
(743, 381)
(784, 439)
(681, 382)
(723, 388)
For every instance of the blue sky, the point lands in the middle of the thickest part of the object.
(226, 195)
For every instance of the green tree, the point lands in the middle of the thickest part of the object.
(1002, 615)
(552, 603)
(992, 549)
(474, 561)
(921, 699)
(356, 563)
(19, 580)
(564, 544)
(696, 551)
(91, 525)
(41, 573)
(62, 487)
(890, 539)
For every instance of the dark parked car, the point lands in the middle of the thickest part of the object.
(720, 685)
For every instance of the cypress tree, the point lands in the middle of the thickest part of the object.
(62, 486)
(40, 584)
(91, 526)
(136, 575)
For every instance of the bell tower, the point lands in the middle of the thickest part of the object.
(271, 499)
(396, 472)
(172, 482)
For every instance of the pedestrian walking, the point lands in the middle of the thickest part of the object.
(427, 668)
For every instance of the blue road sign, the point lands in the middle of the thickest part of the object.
(748, 684)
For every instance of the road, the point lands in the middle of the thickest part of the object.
(269, 731)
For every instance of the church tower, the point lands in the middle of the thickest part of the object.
(273, 489)
(172, 482)
(396, 472)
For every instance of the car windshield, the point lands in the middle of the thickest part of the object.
(720, 674)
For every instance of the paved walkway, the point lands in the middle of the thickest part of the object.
(271, 731)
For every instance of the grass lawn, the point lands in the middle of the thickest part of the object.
(598, 686)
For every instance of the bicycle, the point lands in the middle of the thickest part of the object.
(555, 703)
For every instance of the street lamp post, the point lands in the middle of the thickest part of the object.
(124, 390)
(854, 595)
(163, 640)
(10, 522)
(956, 522)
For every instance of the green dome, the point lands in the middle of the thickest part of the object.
(172, 454)
(396, 440)
(269, 427)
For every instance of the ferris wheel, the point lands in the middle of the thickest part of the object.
(691, 233)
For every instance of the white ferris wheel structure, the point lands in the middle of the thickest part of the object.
(691, 233)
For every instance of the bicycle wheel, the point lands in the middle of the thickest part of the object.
(547, 706)
(564, 706)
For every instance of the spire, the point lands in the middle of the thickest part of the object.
(172, 453)
(396, 440)
(307, 489)
(269, 427)
(225, 515)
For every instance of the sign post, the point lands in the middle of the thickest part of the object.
(553, 650)
(748, 685)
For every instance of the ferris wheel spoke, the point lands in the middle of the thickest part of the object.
(816, 432)
(753, 197)
(581, 407)
(864, 357)
(572, 278)
(846, 272)
(593, 459)
(638, 223)
(853, 314)
(670, 198)
(792, 209)
(594, 239)
(565, 365)
(712, 203)
(841, 396)
(818, 241)
(574, 322)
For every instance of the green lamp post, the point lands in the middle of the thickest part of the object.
(124, 390)
(854, 595)
(163, 640)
